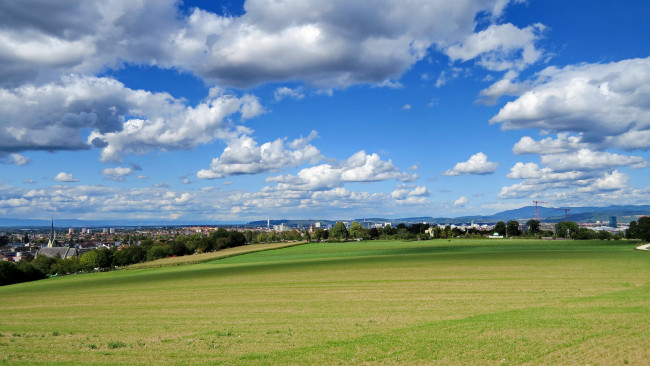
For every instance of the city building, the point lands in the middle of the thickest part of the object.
(613, 222)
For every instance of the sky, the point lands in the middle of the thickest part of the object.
(326, 109)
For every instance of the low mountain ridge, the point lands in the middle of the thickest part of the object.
(624, 213)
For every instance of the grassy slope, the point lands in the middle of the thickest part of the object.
(458, 302)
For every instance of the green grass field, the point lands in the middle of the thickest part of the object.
(501, 302)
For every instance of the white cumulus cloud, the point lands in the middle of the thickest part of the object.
(461, 202)
(477, 164)
(14, 159)
(244, 156)
(585, 159)
(500, 47)
(360, 167)
(285, 92)
(65, 177)
(117, 173)
(606, 103)
(54, 117)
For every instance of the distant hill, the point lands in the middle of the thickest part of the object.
(548, 214)
(624, 214)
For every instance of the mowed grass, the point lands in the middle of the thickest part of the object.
(503, 302)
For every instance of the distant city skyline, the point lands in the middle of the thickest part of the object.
(241, 111)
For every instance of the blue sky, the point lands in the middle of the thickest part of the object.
(238, 111)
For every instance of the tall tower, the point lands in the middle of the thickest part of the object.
(50, 243)
(612, 222)
(268, 223)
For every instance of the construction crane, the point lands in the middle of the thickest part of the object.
(566, 213)
(536, 212)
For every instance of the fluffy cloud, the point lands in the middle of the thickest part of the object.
(14, 159)
(244, 156)
(374, 42)
(170, 125)
(597, 189)
(576, 186)
(461, 202)
(585, 159)
(608, 182)
(532, 172)
(286, 202)
(103, 202)
(591, 108)
(54, 117)
(65, 177)
(505, 86)
(81, 37)
(477, 164)
(285, 92)
(500, 47)
(410, 195)
(51, 117)
(117, 174)
(562, 144)
(360, 167)
(606, 103)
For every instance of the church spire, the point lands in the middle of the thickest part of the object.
(50, 243)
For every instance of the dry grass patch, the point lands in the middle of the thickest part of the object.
(207, 257)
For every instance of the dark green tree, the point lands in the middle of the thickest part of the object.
(67, 266)
(206, 244)
(30, 273)
(640, 229)
(321, 234)
(500, 228)
(339, 231)
(178, 248)
(9, 273)
(104, 258)
(604, 235)
(88, 260)
(388, 230)
(585, 234)
(236, 239)
(513, 228)
(44, 263)
(373, 233)
(566, 229)
(158, 251)
(418, 228)
(249, 236)
(533, 226)
(357, 231)
(146, 244)
(219, 233)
